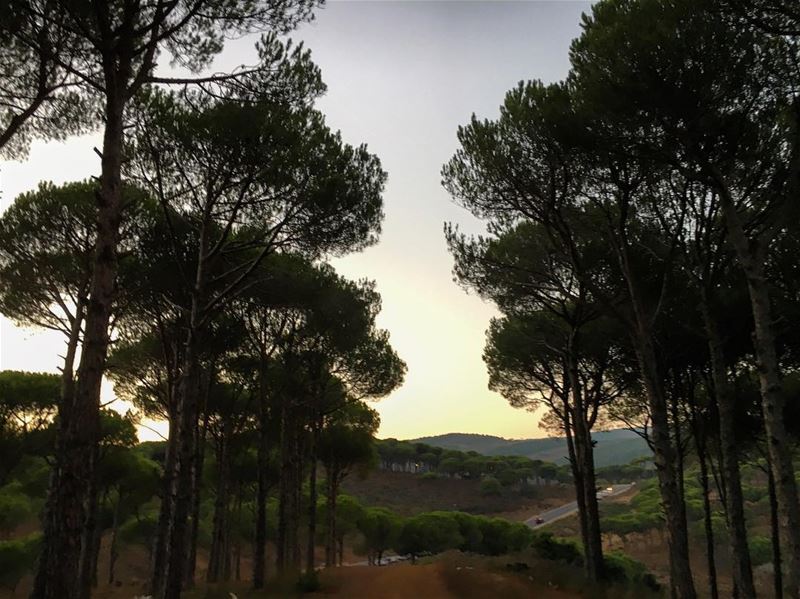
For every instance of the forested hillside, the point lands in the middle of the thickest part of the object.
(613, 447)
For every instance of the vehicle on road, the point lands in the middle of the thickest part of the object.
(539, 521)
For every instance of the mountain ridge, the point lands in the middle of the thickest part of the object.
(614, 447)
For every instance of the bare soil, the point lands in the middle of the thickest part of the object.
(409, 494)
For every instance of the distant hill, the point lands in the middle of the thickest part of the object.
(612, 448)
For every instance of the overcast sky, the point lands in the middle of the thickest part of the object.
(401, 76)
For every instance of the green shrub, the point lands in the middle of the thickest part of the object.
(546, 546)
(15, 507)
(430, 476)
(490, 486)
(469, 527)
(139, 531)
(17, 558)
(630, 522)
(433, 532)
(308, 582)
(623, 568)
(760, 550)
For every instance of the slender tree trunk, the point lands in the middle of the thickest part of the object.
(220, 527)
(578, 481)
(330, 544)
(290, 488)
(312, 495)
(68, 372)
(188, 408)
(731, 479)
(284, 489)
(238, 537)
(679, 449)
(700, 445)
(95, 558)
(586, 455)
(295, 513)
(585, 459)
(178, 530)
(57, 574)
(197, 479)
(113, 551)
(160, 551)
(751, 254)
(681, 581)
(774, 522)
(88, 542)
(259, 550)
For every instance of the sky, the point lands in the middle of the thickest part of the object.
(401, 77)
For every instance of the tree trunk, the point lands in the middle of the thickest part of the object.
(699, 437)
(216, 557)
(259, 550)
(312, 496)
(681, 581)
(330, 544)
(197, 480)
(88, 548)
(178, 530)
(586, 454)
(751, 258)
(295, 513)
(160, 551)
(113, 551)
(777, 561)
(731, 478)
(284, 488)
(577, 477)
(585, 459)
(187, 412)
(238, 548)
(57, 575)
(95, 558)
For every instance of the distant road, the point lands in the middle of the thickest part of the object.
(570, 508)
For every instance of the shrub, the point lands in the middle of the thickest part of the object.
(490, 486)
(630, 522)
(308, 582)
(546, 546)
(14, 508)
(433, 532)
(139, 531)
(469, 527)
(622, 568)
(430, 476)
(760, 550)
(380, 528)
(17, 558)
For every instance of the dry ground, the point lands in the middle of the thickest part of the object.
(409, 494)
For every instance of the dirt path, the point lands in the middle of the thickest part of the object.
(430, 581)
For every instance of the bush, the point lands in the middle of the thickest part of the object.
(380, 528)
(760, 550)
(139, 531)
(469, 527)
(308, 582)
(627, 523)
(14, 508)
(546, 546)
(17, 558)
(490, 486)
(430, 476)
(433, 532)
(622, 568)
